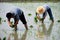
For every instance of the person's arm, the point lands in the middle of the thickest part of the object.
(38, 17)
(9, 23)
(16, 22)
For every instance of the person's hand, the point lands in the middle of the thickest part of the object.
(12, 25)
(41, 19)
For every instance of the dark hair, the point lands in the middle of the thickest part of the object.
(8, 15)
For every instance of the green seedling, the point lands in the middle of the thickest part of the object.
(4, 38)
(53, 37)
(58, 20)
(0, 20)
(11, 22)
(29, 14)
(4, 20)
(35, 19)
(12, 25)
(41, 19)
(50, 19)
(31, 26)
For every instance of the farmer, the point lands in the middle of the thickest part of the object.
(16, 14)
(42, 11)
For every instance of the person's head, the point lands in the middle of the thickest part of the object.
(40, 10)
(9, 15)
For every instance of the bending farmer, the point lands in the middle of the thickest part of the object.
(17, 14)
(43, 10)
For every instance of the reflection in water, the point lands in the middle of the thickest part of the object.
(47, 32)
(15, 35)
(24, 35)
(44, 33)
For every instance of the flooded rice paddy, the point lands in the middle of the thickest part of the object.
(37, 31)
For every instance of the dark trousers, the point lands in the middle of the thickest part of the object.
(50, 14)
(22, 18)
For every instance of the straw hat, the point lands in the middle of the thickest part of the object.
(40, 10)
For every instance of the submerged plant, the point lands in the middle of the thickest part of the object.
(4, 38)
(35, 19)
(31, 26)
(11, 22)
(29, 14)
(53, 37)
(41, 19)
(0, 20)
(4, 20)
(58, 20)
(12, 25)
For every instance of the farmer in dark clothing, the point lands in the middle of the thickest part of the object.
(17, 14)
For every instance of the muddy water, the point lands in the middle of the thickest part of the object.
(45, 31)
